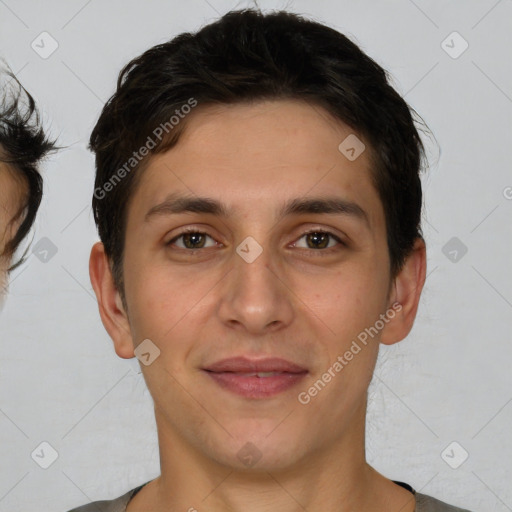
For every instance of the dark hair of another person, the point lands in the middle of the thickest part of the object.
(23, 144)
(247, 56)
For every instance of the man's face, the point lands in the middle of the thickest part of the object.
(11, 197)
(305, 299)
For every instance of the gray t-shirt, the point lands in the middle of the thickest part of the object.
(424, 503)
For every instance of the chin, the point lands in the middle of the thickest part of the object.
(259, 448)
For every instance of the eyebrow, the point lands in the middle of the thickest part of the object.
(176, 204)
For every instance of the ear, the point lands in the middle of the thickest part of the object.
(405, 295)
(113, 315)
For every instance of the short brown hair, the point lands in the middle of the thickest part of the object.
(23, 144)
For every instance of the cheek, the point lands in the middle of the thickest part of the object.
(344, 299)
(165, 300)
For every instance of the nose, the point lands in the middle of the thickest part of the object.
(255, 297)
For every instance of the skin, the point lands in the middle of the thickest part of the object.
(12, 195)
(290, 302)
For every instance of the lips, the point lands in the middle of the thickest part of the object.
(252, 378)
(245, 365)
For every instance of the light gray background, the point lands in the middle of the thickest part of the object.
(450, 380)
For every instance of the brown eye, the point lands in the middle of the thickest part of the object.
(319, 239)
(191, 239)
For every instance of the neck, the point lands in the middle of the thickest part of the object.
(336, 478)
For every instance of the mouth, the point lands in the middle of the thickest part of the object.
(255, 379)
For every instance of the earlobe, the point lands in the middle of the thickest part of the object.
(112, 312)
(407, 288)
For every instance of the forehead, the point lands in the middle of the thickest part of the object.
(261, 154)
(273, 132)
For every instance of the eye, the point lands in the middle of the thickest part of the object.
(319, 239)
(192, 239)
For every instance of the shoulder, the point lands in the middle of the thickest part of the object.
(426, 503)
(115, 505)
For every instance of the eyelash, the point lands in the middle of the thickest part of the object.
(321, 252)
